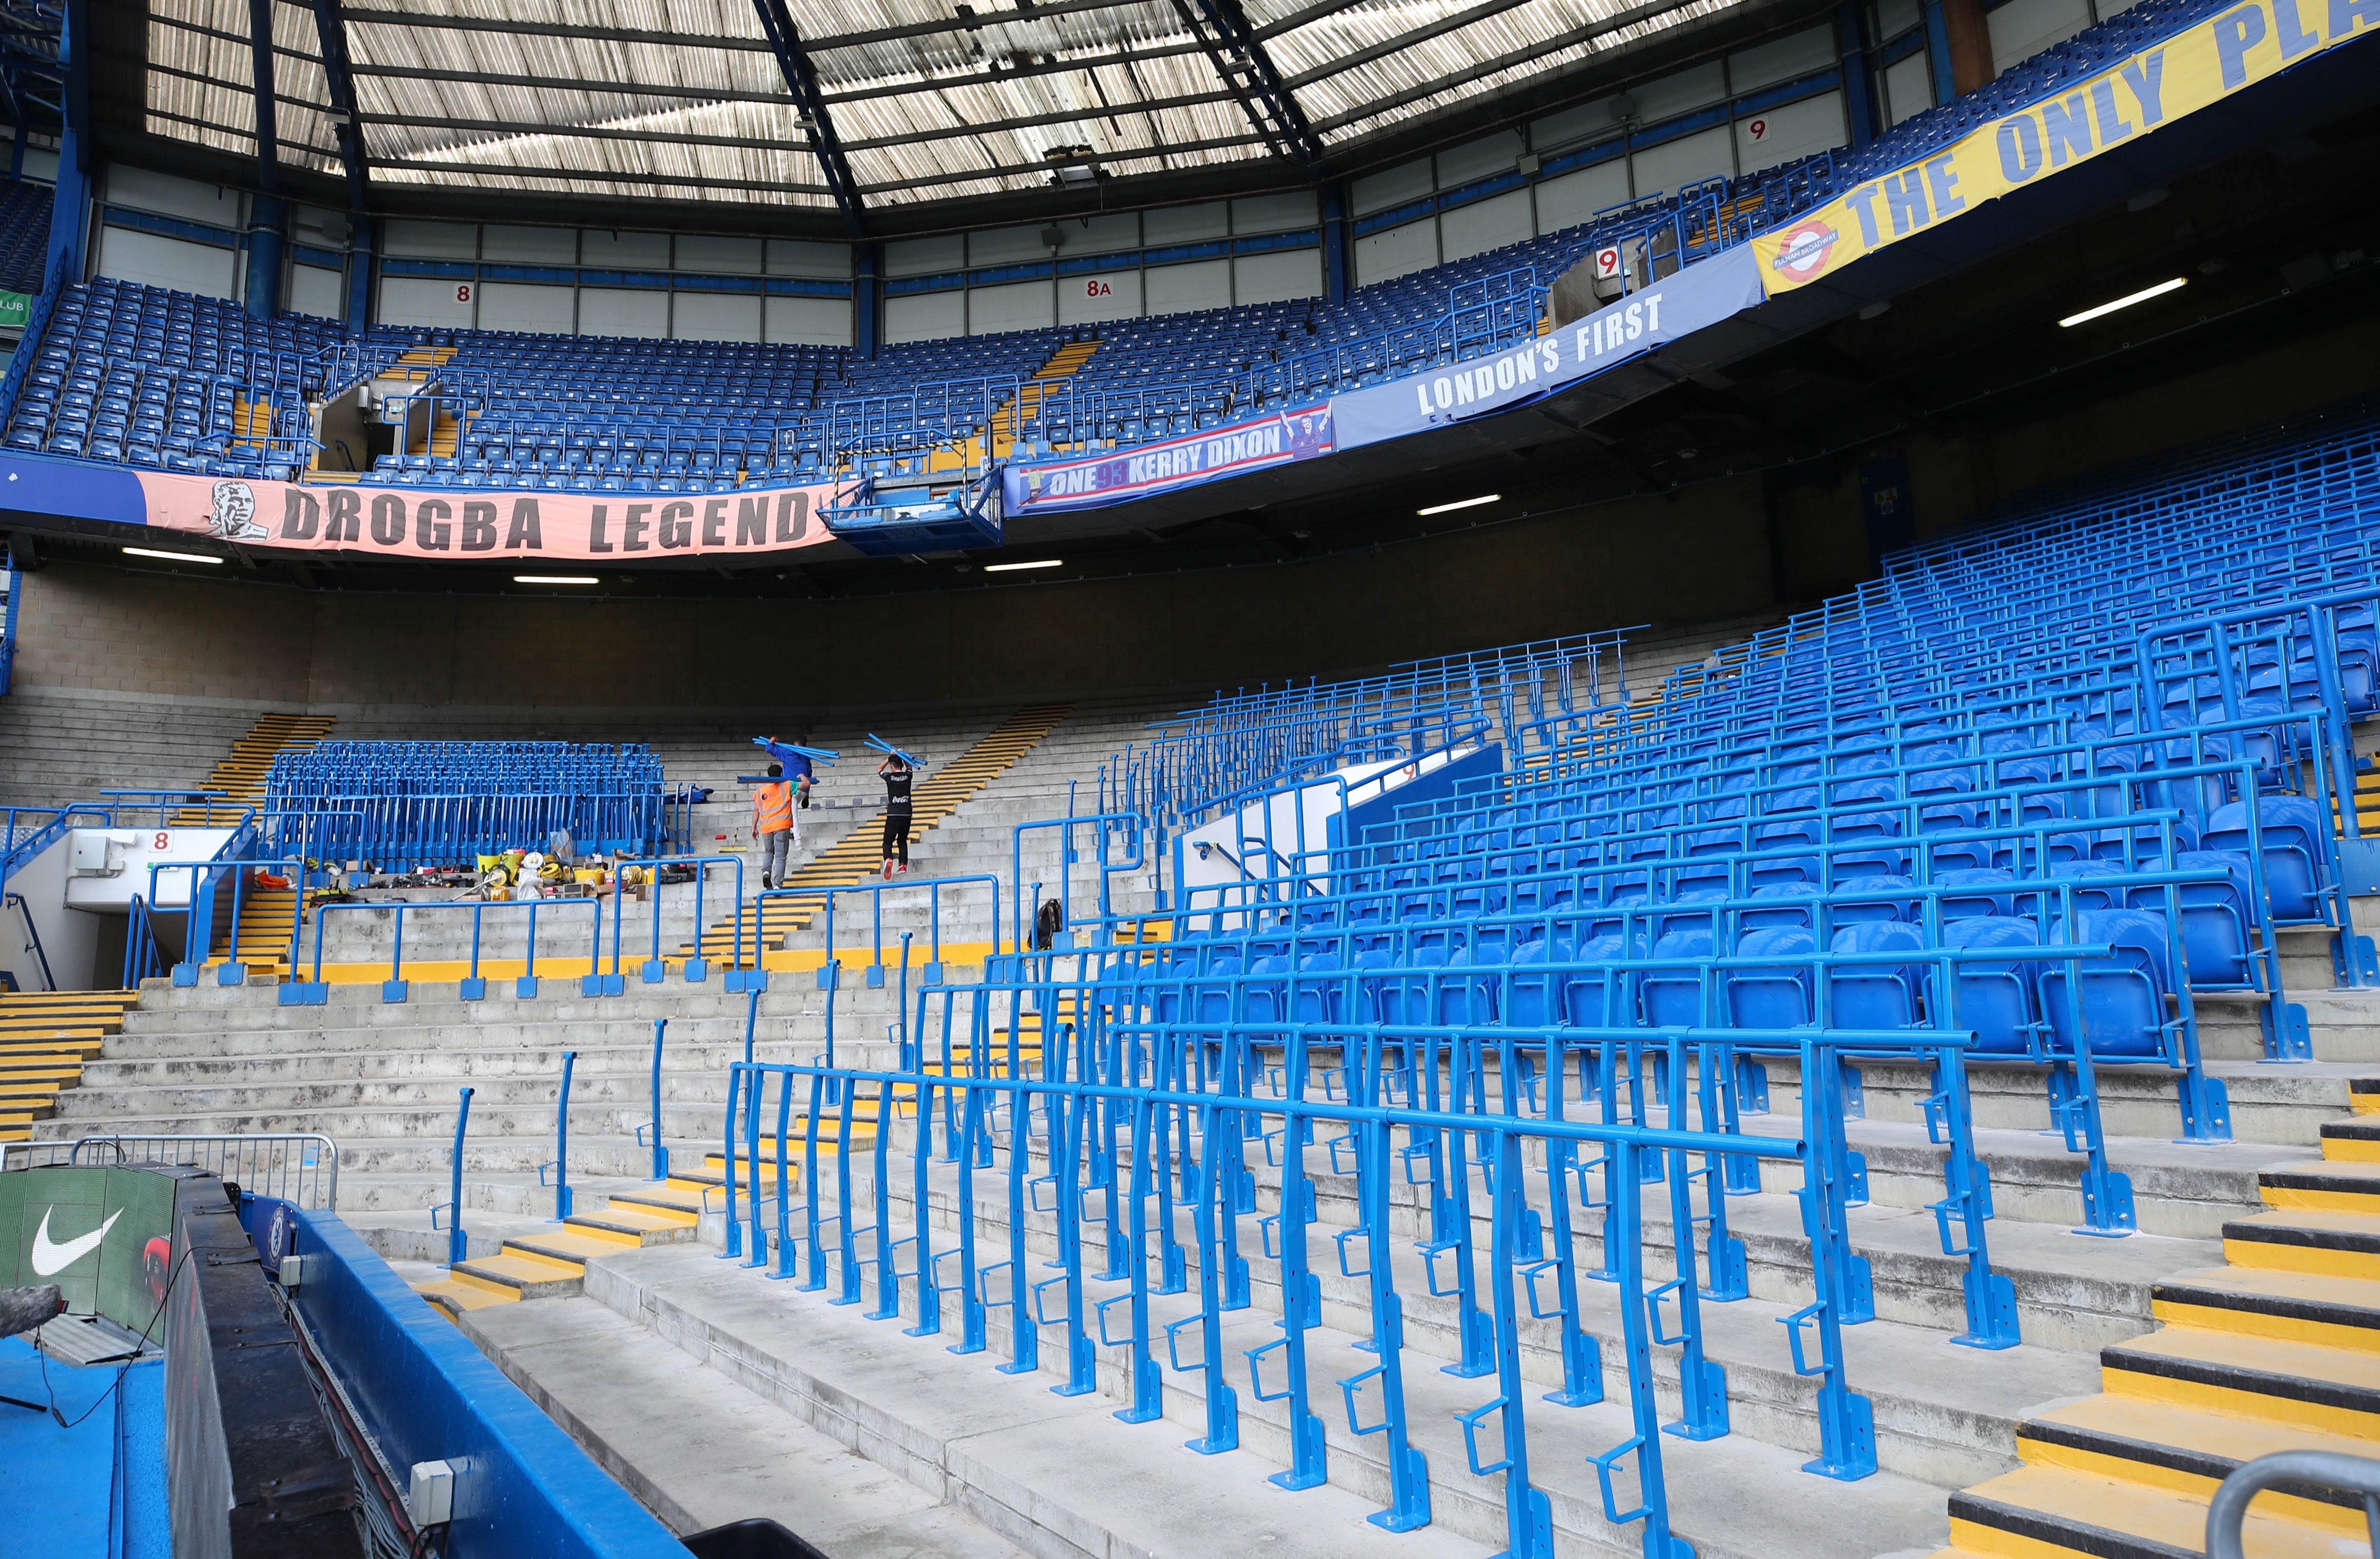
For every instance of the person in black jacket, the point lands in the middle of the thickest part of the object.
(897, 775)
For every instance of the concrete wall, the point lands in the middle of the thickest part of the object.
(95, 628)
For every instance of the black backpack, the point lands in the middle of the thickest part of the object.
(1048, 922)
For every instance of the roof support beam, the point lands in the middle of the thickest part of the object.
(267, 216)
(366, 17)
(982, 18)
(512, 127)
(1305, 13)
(1525, 56)
(1241, 60)
(566, 84)
(778, 22)
(1150, 154)
(993, 75)
(70, 202)
(332, 34)
(1033, 121)
(268, 108)
(596, 176)
(1403, 40)
(929, 181)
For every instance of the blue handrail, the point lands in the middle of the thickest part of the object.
(395, 987)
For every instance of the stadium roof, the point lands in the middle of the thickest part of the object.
(896, 116)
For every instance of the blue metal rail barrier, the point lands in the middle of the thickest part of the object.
(932, 970)
(1116, 1121)
(206, 878)
(396, 988)
(696, 967)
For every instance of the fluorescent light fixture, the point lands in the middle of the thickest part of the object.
(2141, 296)
(1462, 504)
(1011, 568)
(555, 579)
(170, 557)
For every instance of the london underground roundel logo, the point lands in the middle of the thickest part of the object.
(1806, 248)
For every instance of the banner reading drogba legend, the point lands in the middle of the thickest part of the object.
(468, 523)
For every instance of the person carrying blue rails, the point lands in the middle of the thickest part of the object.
(897, 776)
(775, 827)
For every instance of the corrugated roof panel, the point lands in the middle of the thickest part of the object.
(635, 97)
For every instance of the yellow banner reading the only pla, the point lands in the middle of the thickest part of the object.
(2194, 67)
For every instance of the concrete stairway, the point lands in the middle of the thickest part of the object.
(45, 1039)
(210, 1060)
(62, 745)
(242, 773)
(2271, 1352)
(699, 1449)
(231, 1059)
(855, 857)
(2272, 1348)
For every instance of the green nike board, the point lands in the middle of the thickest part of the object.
(103, 1235)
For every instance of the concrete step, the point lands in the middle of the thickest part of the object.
(700, 1450)
(839, 1358)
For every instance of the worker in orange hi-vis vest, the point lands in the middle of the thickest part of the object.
(776, 826)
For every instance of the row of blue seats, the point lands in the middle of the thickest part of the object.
(24, 235)
(2004, 978)
(1158, 379)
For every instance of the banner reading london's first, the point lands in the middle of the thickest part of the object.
(2194, 68)
(478, 523)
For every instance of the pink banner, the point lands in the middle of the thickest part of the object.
(476, 522)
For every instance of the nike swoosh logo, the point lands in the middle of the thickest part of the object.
(49, 1258)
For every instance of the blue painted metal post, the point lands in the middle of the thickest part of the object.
(817, 1280)
(785, 1242)
(1065, 1155)
(972, 1129)
(888, 1283)
(1846, 1421)
(562, 1140)
(1528, 1515)
(734, 1243)
(907, 1052)
(456, 1249)
(1477, 1334)
(359, 271)
(1148, 1381)
(867, 306)
(660, 1152)
(1301, 1290)
(1025, 1342)
(1624, 1230)
(1702, 1381)
(784, 1102)
(847, 1251)
(1408, 1468)
(1582, 1353)
(1859, 90)
(1213, 1210)
(760, 1253)
(922, 1159)
(70, 202)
